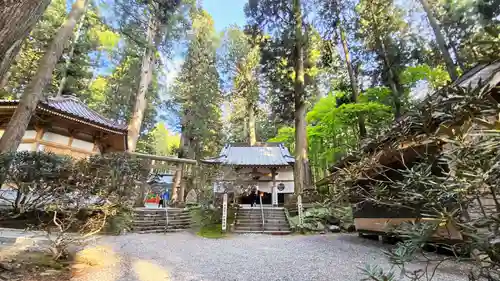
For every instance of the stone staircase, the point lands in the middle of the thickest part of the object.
(155, 220)
(249, 220)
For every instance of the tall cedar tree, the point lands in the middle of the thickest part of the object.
(198, 96)
(17, 18)
(29, 100)
(160, 14)
(331, 15)
(241, 56)
(443, 47)
(278, 16)
(380, 20)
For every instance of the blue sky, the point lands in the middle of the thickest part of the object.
(226, 12)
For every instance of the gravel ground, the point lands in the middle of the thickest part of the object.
(186, 257)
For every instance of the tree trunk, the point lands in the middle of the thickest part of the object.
(352, 77)
(5, 63)
(252, 137)
(392, 82)
(148, 61)
(33, 93)
(5, 80)
(178, 170)
(450, 65)
(392, 77)
(17, 19)
(301, 168)
(458, 59)
(69, 58)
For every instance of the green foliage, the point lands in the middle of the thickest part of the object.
(376, 273)
(40, 178)
(113, 95)
(211, 231)
(240, 57)
(442, 186)
(196, 91)
(34, 47)
(471, 28)
(121, 220)
(160, 141)
(437, 77)
(332, 132)
(35, 177)
(112, 176)
(95, 38)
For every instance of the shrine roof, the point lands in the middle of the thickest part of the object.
(72, 108)
(260, 154)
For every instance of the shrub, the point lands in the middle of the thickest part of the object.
(35, 178)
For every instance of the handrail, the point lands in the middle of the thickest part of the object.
(262, 212)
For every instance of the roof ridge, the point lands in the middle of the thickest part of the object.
(76, 99)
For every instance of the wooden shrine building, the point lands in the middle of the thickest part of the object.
(268, 166)
(65, 125)
(408, 143)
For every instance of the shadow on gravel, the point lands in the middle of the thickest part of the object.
(355, 239)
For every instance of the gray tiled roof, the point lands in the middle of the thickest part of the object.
(73, 107)
(262, 154)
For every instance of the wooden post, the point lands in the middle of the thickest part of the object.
(39, 134)
(274, 188)
(224, 212)
(183, 183)
(153, 162)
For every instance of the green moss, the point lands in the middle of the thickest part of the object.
(211, 231)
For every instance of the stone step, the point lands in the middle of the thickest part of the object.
(260, 223)
(161, 217)
(260, 218)
(159, 231)
(266, 227)
(281, 232)
(161, 213)
(135, 224)
(157, 228)
(259, 212)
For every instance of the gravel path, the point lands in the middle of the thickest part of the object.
(186, 257)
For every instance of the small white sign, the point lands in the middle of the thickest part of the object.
(224, 212)
(299, 208)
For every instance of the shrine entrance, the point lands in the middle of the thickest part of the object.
(267, 199)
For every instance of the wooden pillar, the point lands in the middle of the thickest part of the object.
(39, 134)
(274, 189)
(183, 184)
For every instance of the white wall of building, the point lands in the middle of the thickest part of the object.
(243, 176)
(53, 138)
(85, 145)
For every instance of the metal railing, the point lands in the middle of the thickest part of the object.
(262, 212)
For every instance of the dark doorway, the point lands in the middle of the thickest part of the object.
(246, 199)
(281, 199)
(267, 198)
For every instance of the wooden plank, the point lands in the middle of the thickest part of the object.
(382, 225)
